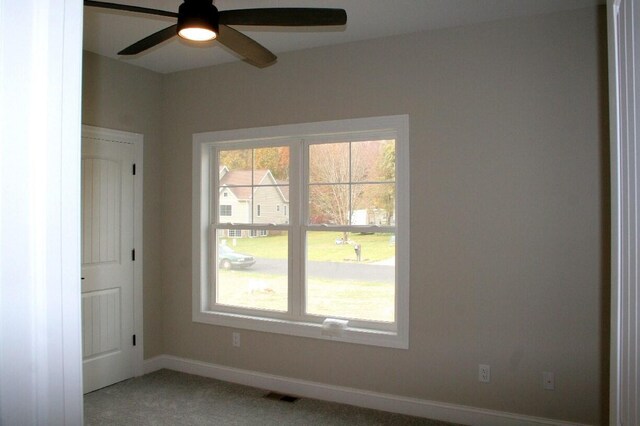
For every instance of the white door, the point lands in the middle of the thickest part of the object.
(107, 262)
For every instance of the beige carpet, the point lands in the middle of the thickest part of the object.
(170, 398)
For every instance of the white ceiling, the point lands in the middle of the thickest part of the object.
(106, 32)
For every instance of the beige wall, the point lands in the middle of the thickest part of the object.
(123, 97)
(509, 208)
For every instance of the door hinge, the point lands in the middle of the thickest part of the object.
(134, 169)
(134, 340)
(133, 255)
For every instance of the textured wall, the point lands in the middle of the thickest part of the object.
(509, 205)
(509, 208)
(123, 97)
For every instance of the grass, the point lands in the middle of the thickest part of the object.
(251, 290)
(326, 297)
(321, 247)
(343, 298)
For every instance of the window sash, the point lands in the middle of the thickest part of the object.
(297, 230)
(394, 127)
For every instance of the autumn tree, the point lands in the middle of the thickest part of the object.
(275, 159)
(237, 159)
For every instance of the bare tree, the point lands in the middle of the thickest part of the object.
(337, 173)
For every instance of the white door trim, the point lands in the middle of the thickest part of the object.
(40, 106)
(624, 94)
(614, 379)
(137, 140)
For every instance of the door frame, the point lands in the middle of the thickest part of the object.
(137, 140)
(624, 39)
(41, 350)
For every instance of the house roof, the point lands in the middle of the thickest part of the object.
(239, 182)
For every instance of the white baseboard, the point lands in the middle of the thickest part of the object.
(379, 401)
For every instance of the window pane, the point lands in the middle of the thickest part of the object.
(373, 204)
(373, 161)
(267, 201)
(343, 283)
(238, 163)
(235, 189)
(253, 182)
(329, 163)
(329, 204)
(252, 269)
(235, 204)
(271, 165)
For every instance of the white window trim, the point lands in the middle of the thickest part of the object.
(399, 126)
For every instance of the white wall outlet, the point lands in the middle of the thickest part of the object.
(548, 381)
(484, 373)
(235, 338)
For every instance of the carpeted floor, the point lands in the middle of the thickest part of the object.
(170, 398)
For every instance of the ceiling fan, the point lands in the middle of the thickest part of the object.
(200, 20)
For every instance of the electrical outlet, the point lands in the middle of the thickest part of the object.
(548, 381)
(484, 373)
(235, 337)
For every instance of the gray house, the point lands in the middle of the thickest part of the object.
(267, 200)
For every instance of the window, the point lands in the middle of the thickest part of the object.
(335, 263)
(225, 210)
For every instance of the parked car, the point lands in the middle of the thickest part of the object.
(228, 259)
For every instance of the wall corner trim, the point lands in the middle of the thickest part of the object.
(361, 398)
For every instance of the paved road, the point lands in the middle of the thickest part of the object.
(345, 270)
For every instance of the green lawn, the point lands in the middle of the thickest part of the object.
(326, 297)
(321, 247)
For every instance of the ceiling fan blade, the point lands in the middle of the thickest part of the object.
(245, 46)
(150, 41)
(128, 8)
(288, 17)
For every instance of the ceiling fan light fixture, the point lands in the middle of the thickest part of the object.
(197, 34)
(198, 20)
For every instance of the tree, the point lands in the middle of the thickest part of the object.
(237, 159)
(387, 165)
(336, 172)
(275, 159)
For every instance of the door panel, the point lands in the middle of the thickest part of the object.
(107, 266)
(101, 211)
(100, 316)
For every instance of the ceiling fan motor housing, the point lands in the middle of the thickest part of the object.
(198, 14)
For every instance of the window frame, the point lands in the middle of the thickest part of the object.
(298, 136)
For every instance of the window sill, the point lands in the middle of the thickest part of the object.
(388, 339)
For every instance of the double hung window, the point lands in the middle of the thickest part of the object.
(335, 264)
